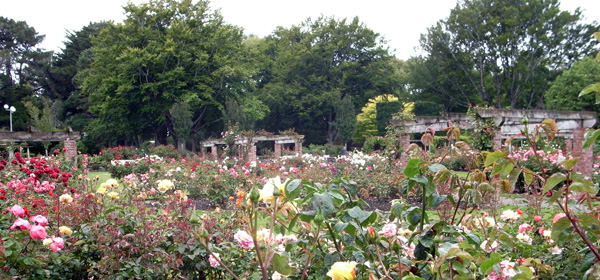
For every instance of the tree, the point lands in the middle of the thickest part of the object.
(62, 76)
(21, 65)
(505, 51)
(166, 51)
(563, 92)
(45, 119)
(312, 66)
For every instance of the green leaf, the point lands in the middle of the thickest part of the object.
(580, 187)
(324, 203)
(528, 176)
(514, 177)
(292, 189)
(457, 252)
(435, 199)
(412, 277)
(414, 216)
(589, 89)
(569, 163)
(561, 229)
(436, 167)
(420, 179)
(362, 215)
(492, 157)
(590, 138)
(195, 219)
(281, 264)
(553, 180)
(412, 168)
(486, 266)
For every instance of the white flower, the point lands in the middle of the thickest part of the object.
(524, 237)
(509, 215)
(555, 250)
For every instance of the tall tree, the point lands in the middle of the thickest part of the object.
(505, 51)
(166, 51)
(317, 64)
(22, 65)
(562, 94)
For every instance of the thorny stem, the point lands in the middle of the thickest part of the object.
(565, 209)
(221, 262)
(387, 273)
(337, 246)
(253, 228)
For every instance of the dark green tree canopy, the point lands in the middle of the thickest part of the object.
(165, 52)
(503, 51)
(563, 92)
(317, 64)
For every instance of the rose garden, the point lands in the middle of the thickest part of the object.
(158, 214)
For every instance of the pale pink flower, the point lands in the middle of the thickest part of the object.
(38, 232)
(214, 260)
(39, 220)
(244, 239)
(389, 230)
(525, 227)
(57, 244)
(20, 224)
(555, 250)
(17, 210)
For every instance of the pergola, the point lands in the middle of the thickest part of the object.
(571, 125)
(69, 139)
(247, 144)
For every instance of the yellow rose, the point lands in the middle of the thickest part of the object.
(114, 195)
(66, 198)
(164, 185)
(65, 230)
(101, 190)
(105, 185)
(342, 271)
(112, 182)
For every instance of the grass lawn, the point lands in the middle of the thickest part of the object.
(102, 175)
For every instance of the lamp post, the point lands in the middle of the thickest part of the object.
(10, 110)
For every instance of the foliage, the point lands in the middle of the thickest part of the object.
(165, 52)
(483, 131)
(306, 67)
(366, 121)
(384, 115)
(563, 92)
(427, 108)
(505, 52)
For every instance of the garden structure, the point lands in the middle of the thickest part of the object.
(69, 139)
(510, 123)
(246, 145)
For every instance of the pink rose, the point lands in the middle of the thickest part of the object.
(214, 260)
(17, 210)
(558, 217)
(39, 220)
(524, 227)
(57, 244)
(38, 232)
(244, 239)
(20, 224)
(537, 219)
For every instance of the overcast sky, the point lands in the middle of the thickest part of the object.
(400, 21)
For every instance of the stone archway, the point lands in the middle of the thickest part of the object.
(249, 144)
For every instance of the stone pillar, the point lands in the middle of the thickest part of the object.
(71, 149)
(252, 153)
(298, 147)
(497, 140)
(213, 152)
(569, 146)
(404, 141)
(277, 150)
(585, 165)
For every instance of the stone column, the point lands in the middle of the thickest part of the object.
(497, 140)
(252, 153)
(213, 152)
(298, 147)
(569, 146)
(71, 149)
(404, 141)
(277, 150)
(585, 165)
